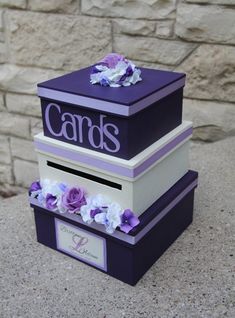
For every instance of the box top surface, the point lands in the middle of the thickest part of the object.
(78, 83)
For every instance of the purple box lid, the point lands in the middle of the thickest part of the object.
(70, 87)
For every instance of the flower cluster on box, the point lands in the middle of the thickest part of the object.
(59, 196)
(115, 70)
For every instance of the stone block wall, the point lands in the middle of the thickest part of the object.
(42, 39)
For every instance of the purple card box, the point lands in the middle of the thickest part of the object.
(129, 256)
(118, 121)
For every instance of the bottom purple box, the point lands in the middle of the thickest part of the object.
(124, 256)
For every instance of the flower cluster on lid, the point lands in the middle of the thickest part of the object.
(115, 70)
(100, 209)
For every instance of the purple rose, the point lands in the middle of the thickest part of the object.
(51, 202)
(35, 186)
(73, 199)
(112, 59)
(129, 221)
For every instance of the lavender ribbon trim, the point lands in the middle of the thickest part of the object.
(104, 106)
(165, 211)
(122, 236)
(162, 152)
(119, 170)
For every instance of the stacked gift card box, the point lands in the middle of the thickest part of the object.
(115, 188)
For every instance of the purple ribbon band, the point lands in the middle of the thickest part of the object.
(111, 167)
(110, 107)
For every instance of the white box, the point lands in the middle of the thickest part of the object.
(135, 184)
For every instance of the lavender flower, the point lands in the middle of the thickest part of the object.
(35, 186)
(95, 205)
(94, 212)
(128, 221)
(62, 186)
(129, 72)
(51, 202)
(35, 189)
(110, 217)
(50, 189)
(112, 59)
(73, 199)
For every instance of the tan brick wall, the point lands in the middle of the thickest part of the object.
(41, 39)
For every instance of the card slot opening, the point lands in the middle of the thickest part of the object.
(84, 175)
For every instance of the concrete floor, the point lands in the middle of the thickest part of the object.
(194, 278)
